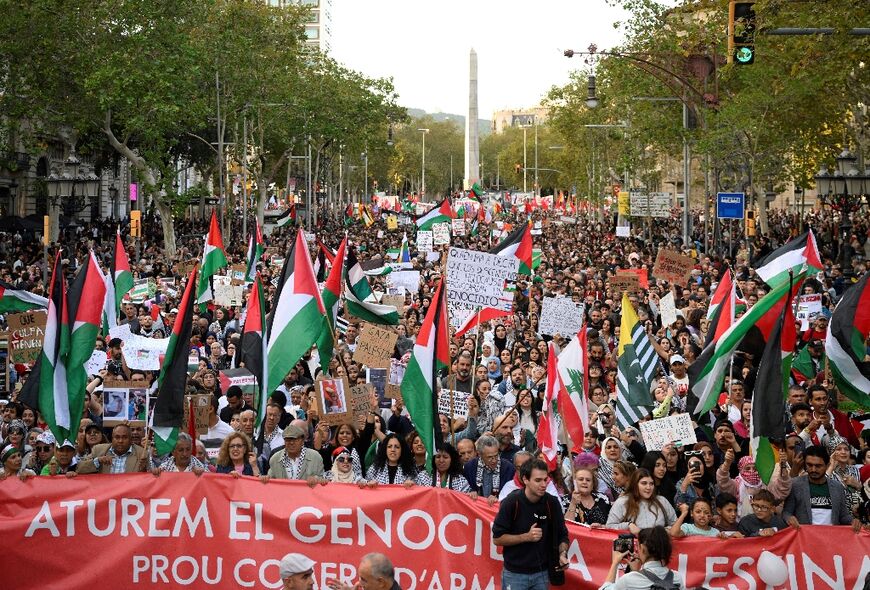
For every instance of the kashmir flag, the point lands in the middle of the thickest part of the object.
(252, 352)
(213, 259)
(297, 318)
(168, 417)
(572, 364)
(484, 314)
(331, 299)
(771, 390)
(46, 388)
(707, 373)
(255, 251)
(518, 244)
(844, 344)
(288, 217)
(635, 368)
(443, 213)
(13, 300)
(721, 311)
(122, 277)
(547, 434)
(794, 256)
(420, 384)
(360, 299)
(366, 216)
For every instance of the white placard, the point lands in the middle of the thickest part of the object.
(460, 403)
(560, 315)
(568, 219)
(663, 431)
(623, 231)
(458, 227)
(404, 220)
(808, 305)
(96, 363)
(408, 279)
(537, 229)
(668, 309)
(650, 205)
(441, 234)
(424, 241)
(478, 279)
(227, 294)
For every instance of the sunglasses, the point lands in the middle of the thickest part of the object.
(693, 453)
(343, 460)
(43, 448)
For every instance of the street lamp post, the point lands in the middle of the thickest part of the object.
(846, 190)
(423, 166)
(525, 167)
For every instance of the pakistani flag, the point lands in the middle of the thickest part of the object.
(331, 299)
(120, 271)
(636, 368)
(252, 352)
(213, 259)
(443, 213)
(360, 299)
(420, 383)
(799, 254)
(255, 252)
(297, 318)
(572, 364)
(172, 381)
(13, 300)
(844, 344)
(46, 388)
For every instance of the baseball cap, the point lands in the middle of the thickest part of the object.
(174, 310)
(294, 431)
(67, 444)
(295, 563)
(46, 438)
(678, 358)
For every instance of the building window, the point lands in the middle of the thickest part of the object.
(314, 16)
(309, 2)
(312, 32)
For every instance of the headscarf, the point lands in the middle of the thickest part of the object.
(748, 473)
(605, 465)
(493, 374)
(337, 474)
(8, 452)
(834, 441)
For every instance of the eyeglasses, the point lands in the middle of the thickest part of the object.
(343, 460)
(761, 507)
(693, 453)
(237, 446)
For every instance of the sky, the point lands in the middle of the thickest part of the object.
(424, 46)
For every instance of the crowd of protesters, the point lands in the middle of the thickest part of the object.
(608, 479)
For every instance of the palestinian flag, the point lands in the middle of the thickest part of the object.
(476, 192)
(442, 213)
(484, 314)
(771, 391)
(636, 368)
(213, 259)
(46, 388)
(256, 248)
(721, 310)
(572, 364)
(844, 344)
(803, 367)
(13, 300)
(297, 317)
(168, 417)
(360, 299)
(320, 270)
(252, 352)
(288, 217)
(327, 253)
(518, 244)
(420, 384)
(331, 300)
(547, 434)
(801, 252)
(122, 277)
(707, 373)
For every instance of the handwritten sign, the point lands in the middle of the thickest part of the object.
(673, 267)
(458, 227)
(425, 241)
(26, 333)
(624, 282)
(453, 403)
(668, 309)
(200, 403)
(441, 234)
(560, 315)
(478, 279)
(408, 279)
(359, 401)
(375, 346)
(663, 431)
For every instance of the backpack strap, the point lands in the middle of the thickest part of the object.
(666, 583)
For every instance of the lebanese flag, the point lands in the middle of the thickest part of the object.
(518, 244)
(253, 352)
(213, 259)
(14, 300)
(85, 299)
(721, 311)
(844, 344)
(548, 426)
(297, 317)
(120, 272)
(420, 384)
(168, 417)
(572, 364)
(331, 299)
(46, 388)
(485, 314)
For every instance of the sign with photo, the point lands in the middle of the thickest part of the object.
(458, 226)
(330, 400)
(377, 378)
(393, 389)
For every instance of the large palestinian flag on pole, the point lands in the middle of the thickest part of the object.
(442, 213)
(844, 344)
(121, 276)
(172, 382)
(420, 383)
(213, 259)
(46, 388)
(721, 310)
(297, 317)
(13, 300)
(797, 255)
(331, 300)
(519, 245)
(360, 299)
(252, 352)
(255, 251)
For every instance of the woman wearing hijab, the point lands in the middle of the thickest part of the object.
(611, 452)
(843, 471)
(342, 468)
(748, 481)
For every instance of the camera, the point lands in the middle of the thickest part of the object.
(624, 543)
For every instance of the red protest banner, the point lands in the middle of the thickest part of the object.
(217, 531)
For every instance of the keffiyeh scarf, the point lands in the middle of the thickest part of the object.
(496, 482)
(294, 467)
(382, 476)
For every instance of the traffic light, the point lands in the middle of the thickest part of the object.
(750, 224)
(136, 223)
(741, 32)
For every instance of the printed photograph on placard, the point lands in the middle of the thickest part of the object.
(378, 379)
(115, 406)
(331, 399)
(138, 404)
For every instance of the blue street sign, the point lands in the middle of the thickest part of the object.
(730, 205)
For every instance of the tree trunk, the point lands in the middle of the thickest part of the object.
(168, 224)
(761, 199)
(262, 197)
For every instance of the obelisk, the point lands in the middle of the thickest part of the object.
(472, 140)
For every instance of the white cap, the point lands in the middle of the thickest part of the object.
(295, 563)
(678, 358)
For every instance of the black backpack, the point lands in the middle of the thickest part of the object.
(666, 583)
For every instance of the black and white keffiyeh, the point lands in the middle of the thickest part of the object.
(294, 466)
(481, 467)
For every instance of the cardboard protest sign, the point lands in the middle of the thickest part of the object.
(331, 400)
(560, 315)
(642, 276)
(397, 301)
(441, 234)
(425, 241)
(673, 267)
(453, 403)
(26, 332)
(624, 282)
(663, 431)
(200, 403)
(375, 346)
(359, 401)
(237, 274)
